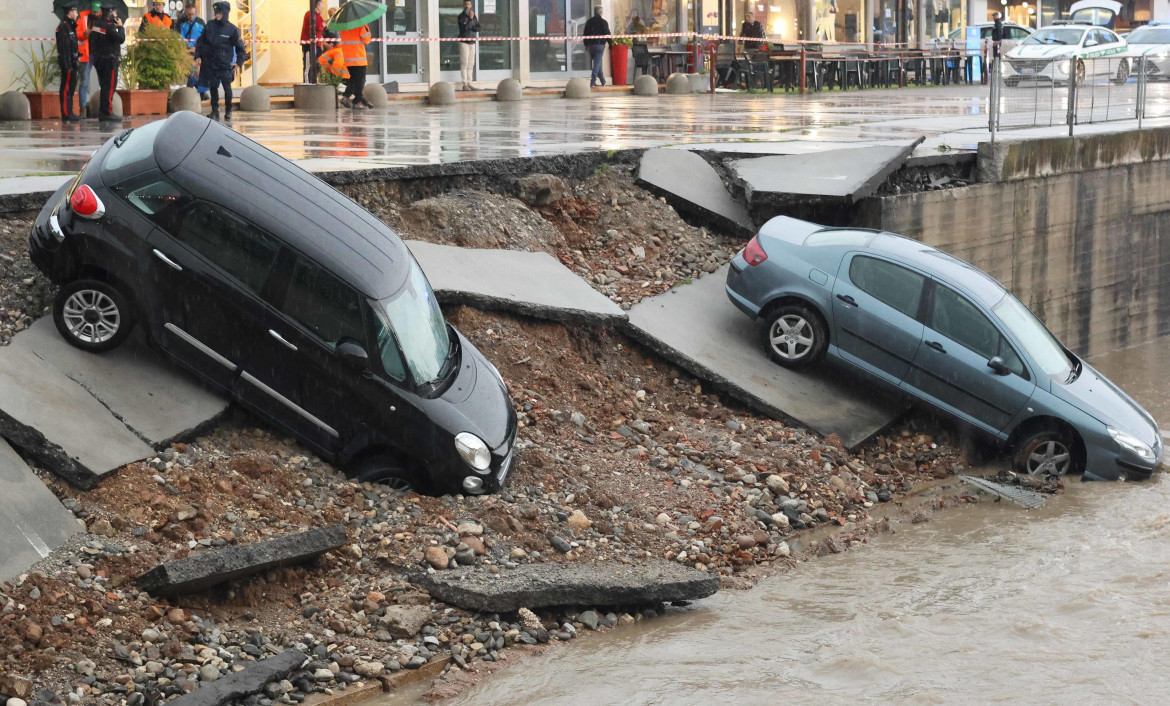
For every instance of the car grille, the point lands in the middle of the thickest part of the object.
(1031, 65)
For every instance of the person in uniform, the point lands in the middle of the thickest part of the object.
(69, 59)
(218, 53)
(106, 37)
(353, 45)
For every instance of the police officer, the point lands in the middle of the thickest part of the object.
(69, 59)
(106, 37)
(214, 53)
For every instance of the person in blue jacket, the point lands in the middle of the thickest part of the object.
(190, 27)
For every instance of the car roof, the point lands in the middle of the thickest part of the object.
(217, 164)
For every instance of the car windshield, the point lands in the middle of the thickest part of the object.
(1160, 35)
(1033, 336)
(414, 316)
(1055, 36)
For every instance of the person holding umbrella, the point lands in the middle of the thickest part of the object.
(69, 59)
(215, 50)
(352, 21)
(106, 37)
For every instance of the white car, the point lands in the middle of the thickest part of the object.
(1013, 34)
(1149, 51)
(1060, 52)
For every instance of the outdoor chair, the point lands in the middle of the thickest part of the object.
(754, 71)
(642, 58)
(726, 66)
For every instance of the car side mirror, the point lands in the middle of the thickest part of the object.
(353, 356)
(996, 364)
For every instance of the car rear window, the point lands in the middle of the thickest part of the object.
(132, 153)
(833, 236)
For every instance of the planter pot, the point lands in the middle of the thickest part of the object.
(144, 102)
(619, 57)
(44, 105)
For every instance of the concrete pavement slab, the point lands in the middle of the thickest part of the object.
(693, 186)
(528, 283)
(846, 174)
(32, 521)
(156, 399)
(59, 423)
(698, 329)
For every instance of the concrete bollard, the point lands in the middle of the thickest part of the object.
(577, 88)
(256, 99)
(375, 95)
(95, 99)
(509, 90)
(441, 93)
(678, 84)
(185, 98)
(315, 97)
(645, 85)
(14, 106)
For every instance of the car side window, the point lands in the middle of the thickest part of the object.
(231, 243)
(890, 284)
(1017, 33)
(959, 320)
(388, 352)
(323, 304)
(153, 197)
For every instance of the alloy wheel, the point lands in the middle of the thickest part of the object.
(791, 337)
(91, 316)
(1049, 458)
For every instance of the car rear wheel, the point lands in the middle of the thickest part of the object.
(1122, 72)
(1048, 452)
(388, 471)
(794, 336)
(93, 315)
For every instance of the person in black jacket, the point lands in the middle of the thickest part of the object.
(997, 34)
(752, 28)
(468, 32)
(69, 59)
(106, 37)
(217, 48)
(597, 37)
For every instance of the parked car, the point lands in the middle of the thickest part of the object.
(275, 288)
(1056, 54)
(1013, 35)
(928, 325)
(1101, 13)
(1149, 51)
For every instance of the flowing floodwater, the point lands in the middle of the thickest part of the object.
(991, 603)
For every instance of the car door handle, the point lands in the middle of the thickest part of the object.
(282, 340)
(170, 263)
(937, 346)
(847, 299)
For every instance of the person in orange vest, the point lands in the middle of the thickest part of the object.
(157, 17)
(334, 60)
(353, 45)
(83, 56)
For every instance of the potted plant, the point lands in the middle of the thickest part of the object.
(38, 73)
(619, 57)
(155, 61)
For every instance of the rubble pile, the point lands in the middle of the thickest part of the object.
(25, 294)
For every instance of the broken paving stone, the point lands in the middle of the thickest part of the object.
(405, 621)
(210, 568)
(244, 683)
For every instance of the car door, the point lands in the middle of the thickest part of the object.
(951, 369)
(209, 269)
(876, 306)
(1013, 37)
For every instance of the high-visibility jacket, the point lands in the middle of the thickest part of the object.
(83, 36)
(163, 20)
(353, 45)
(334, 60)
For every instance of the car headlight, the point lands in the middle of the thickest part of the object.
(1062, 67)
(474, 451)
(1129, 442)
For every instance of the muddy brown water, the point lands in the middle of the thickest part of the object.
(1066, 604)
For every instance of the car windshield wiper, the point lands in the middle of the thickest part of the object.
(448, 363)
(121, 139)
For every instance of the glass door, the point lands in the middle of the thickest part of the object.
(494, 60)
(557, 18)
(400, 56)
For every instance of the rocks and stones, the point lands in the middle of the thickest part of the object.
(560, 544)
(441, 93)
(15, 686)
(577, 88)
(777, 485)
(589, 619)
(184, 98)
(645, 85)
(14, 106)
(578, 521)
(678, 84)
(256, 99)
(375, 94)
(404, 621)
(320, 98)
(541, 585)
(541, 189)
(437, 557)
(509, 90)
(208, 673)
(369, 670)
(210, 568)
(691, 185)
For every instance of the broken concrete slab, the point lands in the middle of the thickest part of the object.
(59, 423)
(697, 328)
(32, 521)
(690, 184)
(155, 398)
(1020, 496)
(545, 585)
(527, 283)
(403, 621)
(211, 568)
(846, 174)
(245, 683)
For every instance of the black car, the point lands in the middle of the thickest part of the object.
(276, 288)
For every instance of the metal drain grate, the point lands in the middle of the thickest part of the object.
(1020, 496)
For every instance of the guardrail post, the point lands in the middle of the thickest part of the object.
(803, 57)
(1072, 97)
(1141, 92)
(993, 112)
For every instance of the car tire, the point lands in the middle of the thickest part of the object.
(794, 336)
(92, 315)
(1122, 72)
(1047, 452)
(388, 471)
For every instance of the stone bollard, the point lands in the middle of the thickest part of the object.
(256, 99)
(577, 88)
(441, 93)
(315, 97)
(645, 85)
(185, 98)
(14, 106)
(678, 84)
(375, 95)
(115, 108)
(509, 90)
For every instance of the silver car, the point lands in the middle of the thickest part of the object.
(924, 323)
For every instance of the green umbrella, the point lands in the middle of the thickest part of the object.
(356, 13)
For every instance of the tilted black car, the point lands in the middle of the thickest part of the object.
(276, 288)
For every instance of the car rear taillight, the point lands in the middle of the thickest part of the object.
(86, 203)
(753, 253)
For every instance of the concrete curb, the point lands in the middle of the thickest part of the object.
(358, 693)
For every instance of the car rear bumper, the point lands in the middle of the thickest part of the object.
(735, 286)
(46, 240)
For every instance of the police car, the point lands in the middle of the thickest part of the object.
(1149, 50)
(1059, 53)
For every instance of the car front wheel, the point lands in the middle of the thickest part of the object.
(93, 315)
(388, 471)
(1122, 72)
(793, 336)
(1048, 452)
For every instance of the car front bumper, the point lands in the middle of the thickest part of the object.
(1106, 461)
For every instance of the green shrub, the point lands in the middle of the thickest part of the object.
(157, 64)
